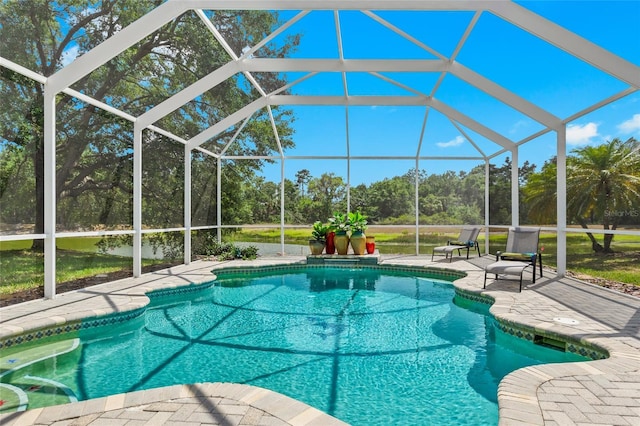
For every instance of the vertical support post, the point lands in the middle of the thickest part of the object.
(49, 193)
(487, 178)
(187, 205)
(282, 206)
(137, 200)
(515, 190)
(346, 122)
(417, 204)
(561, 183)
(348, 185)
(219, 199)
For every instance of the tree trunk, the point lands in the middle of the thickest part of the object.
(110, 196)
(608, 239)
(595, 245)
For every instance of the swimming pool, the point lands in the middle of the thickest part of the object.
(368, 346)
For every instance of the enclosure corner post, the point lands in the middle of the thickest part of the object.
(561, 226)
(49, 192)
(282, 225)
(137, 199)
(416, 182)
(187, 205)
(486, 205)
(219, 199)
(515, 188)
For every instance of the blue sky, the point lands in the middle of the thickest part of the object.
(513, 58)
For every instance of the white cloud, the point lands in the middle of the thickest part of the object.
(631, 125)
(517, 126)
(578, 134)
(69, 55)
(458, 140)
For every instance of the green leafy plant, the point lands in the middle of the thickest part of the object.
(339, 222)
(319, 232)
(209, 246)
(357, 221)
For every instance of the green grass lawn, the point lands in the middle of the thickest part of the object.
(23, 269)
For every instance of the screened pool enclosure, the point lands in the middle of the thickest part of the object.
(361, 90)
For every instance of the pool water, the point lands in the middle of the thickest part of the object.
(368, 347)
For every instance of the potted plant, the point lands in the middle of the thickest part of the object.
(318, 234)
(358, 224)
(330, 247)
(340, 225)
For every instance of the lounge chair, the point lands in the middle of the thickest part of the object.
(467, 239)
(521, 252)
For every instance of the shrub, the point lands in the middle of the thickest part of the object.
(207, 244)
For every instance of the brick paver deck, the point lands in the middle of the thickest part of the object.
(605, 391)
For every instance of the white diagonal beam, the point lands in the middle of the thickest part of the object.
(568, 41)
(397, 84)
(189, 93)
(509, 98)
(6, 63)
(403, 34)
(227, 122)
(463, 133)
(235, 135)
(116, 44)
(481, 129)
(456, 51)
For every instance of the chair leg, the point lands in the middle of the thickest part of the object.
(521, 273)
(534, 272)
(485, 279)
(540, 261)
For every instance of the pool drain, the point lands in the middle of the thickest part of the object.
(566, 321)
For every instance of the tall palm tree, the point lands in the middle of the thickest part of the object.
(603, 184)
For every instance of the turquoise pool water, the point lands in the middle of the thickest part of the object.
(368, 347)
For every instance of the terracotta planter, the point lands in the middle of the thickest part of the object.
(331, 246)
(342, 243)
(358, 243)
(316, 246)
(371, 244)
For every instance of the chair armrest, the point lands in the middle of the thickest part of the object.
(498, 253)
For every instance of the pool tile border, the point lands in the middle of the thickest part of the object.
(69, 329)
(434, 273)
(530, 334)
